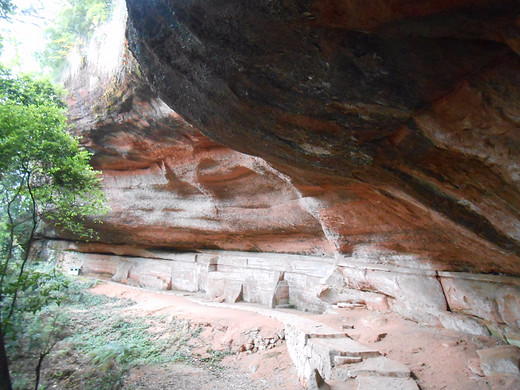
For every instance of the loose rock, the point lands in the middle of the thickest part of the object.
(500, 360)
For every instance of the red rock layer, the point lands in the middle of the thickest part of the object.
(385, 130)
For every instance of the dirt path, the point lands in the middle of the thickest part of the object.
(223, 329)
(438, 358)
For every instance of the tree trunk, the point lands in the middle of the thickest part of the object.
(38, 370)
(5, 379)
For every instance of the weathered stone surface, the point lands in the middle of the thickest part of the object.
(304, 290)
(316, 382)
(333, 290)
(397, 126)
(376, 366)
(463, 324)
(344, 347)
(104, 266)
(494, 298)
(500, 360)
(377, 303)
(508, 300)
(365, 146)
(170, 186)
(504, 381)
(374, 321)
(340, 360)
(378, 382)
(179, 203)
(512, 335)
(473, 297)
(281, 294)
(418, 296)
(219, 285)
(474, 367)
(294, 279)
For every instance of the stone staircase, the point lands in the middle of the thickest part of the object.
(328, 359)
(374, 373)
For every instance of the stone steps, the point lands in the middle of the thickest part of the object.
(329, 359)
(384, 383)
(344, 347)
(374, 366)
(355, 367)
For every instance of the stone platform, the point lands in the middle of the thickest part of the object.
(471, 303)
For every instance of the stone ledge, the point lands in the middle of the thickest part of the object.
(374, 366)
(501, 279)
(313, 283)
(346, 347)
(374, 382)
(386, 268)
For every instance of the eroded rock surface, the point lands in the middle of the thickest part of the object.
(476, 304)
(384, 131)
(361, 153)
(169, 185)
(396, 125)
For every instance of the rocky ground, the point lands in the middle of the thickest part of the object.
(134, 339)
(123, 337)
(258, 357)
(244, 350)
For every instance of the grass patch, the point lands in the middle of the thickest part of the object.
(107, 341)
(215, 358)
(102, 341)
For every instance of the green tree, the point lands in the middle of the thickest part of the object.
(44, 174)
(7, 8)
(71, 30)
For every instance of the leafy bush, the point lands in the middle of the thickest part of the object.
(39, 321)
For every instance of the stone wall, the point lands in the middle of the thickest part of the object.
(472, 303)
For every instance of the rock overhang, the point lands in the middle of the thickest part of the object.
(384, 130)
(407, 108)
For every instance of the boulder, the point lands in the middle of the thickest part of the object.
(500, 360)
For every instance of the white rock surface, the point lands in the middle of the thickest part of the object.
(463, 324)
(500, 360)
(382, 383)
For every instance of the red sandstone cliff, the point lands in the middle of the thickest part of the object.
(388, 129)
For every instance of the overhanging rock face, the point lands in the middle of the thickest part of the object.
(376, 143)
(400, 122)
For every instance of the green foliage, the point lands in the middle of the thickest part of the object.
(44, 173)
(39, 288)
(71, 30)
(39, 321)
(28, 91)
(215, 358)
(100, 335)
(7, 8)
(112, 342)
(40, 162)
